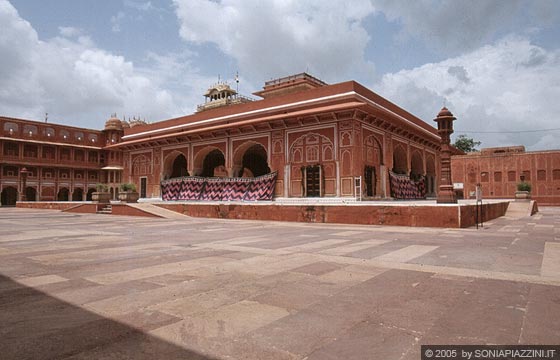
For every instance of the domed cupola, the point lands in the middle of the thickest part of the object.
(219, 95)
(113, 123)
(114, 130)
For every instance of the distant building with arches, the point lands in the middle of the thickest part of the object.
(63, 163)
(499, 170)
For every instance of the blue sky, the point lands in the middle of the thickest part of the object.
(493, 63)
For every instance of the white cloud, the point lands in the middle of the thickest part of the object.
(277, 38)
(72, 79)
(508, 86)
(69, 31)
(140, 5)
(180, 76)
(450, 25)
(143, 6)
(455, 26)
(116, 21)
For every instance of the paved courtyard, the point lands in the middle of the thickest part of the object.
(78, 286)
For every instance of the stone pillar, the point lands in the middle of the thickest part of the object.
(23, 172)
(383, 179)
(445, 194)
(287, 176)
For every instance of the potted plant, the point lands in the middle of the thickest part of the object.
(128, 193)
(523, 190)
(102, 195)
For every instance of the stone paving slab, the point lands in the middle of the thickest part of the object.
(85, 286)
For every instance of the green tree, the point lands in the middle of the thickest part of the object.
(466, 144)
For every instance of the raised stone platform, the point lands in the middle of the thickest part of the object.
(422, 213)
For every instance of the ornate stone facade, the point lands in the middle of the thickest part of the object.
(499, 170)
(63, 162)
(319, 138)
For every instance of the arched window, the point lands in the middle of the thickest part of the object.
(65, 135)
(30, 130)
(11, 128)
(49, 132)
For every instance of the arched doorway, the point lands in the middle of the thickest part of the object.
(212, 160)
(399, 161)
(89, 194)
(250, 160)
(30, 194)
(416, 165)
(78, 194)
(63, 194)
(179, 168)
(206, 161)
(254, 162)
(373, 157)
(9, 196)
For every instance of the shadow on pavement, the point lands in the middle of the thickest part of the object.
(35, 325)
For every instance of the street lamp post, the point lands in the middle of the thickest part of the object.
(23, 173)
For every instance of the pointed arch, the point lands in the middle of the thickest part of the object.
(250, 159)
(416, 163)
(399, 160)
(373, 150)
(89, 194)
(311, 139)
(63, 194)
(78, 194)
(30, 193)
(208, 159)
(140, 165)
(431, 184)
(175, 165)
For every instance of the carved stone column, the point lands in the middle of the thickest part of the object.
(445, 194)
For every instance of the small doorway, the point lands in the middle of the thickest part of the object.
(89, 195)
(9, 196)
(63, 194)
(78, 194)
(312, 176)
(143, 186)
(30, 194)
(370, 180)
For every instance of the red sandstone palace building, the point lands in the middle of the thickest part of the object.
(322, 140)
(499, 170)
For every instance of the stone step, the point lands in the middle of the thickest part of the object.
(107, 209)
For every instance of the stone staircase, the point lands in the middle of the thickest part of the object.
(107, 209)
